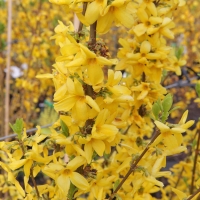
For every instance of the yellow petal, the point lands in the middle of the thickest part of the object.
(92, 103)
(142, 15)
(104, 61)
(12, 179)
(171, 142)
(181, 195)
(142, 95)
(101, 118)
(140, 29)
(151, 179)
(124, 17)
(17, 164)
(63, 183)
(69, 49)
(78, 88)
(158, 165)
(98, 146)
(79, 181)
(161, 126)
(95, 74)
(104, 23)
(65, 104)
(152, 8)
(27, 168)
(151, 30)
(153, 56)
(36, 170)
(155, 20)
(88, 151)
(76, 163)
(77, 62)
(87, 52)
(60, 93)
(167, 33)
(166, 21)
(124, 165)
(92, 12)
(183, 118)
(145, 47)
(81, 109)
(188, 124)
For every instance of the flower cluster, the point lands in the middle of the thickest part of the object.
(98, 149)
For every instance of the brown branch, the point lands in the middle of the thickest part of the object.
(143, 77)
(177, 182)
(93, 33)
(134, 165)
(126, 131)
(83, 12)
(34, 183)
(193, 195)
(21, 144)
(195, 163)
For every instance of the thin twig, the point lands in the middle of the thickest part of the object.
(34, 183)
(7, 92)
(28, 131)
(126, 131)
(195, 163)
(177, 182)
(134, 165)
(93, 33)
(83, 12)
(193, 195)
(143, 77)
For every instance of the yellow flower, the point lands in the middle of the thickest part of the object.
(181, 195)
(65, 175)
(12, 179)
(144, 54)
(172, 137)
(150, 5)
(94, 10)
(102, 135)
(76, 99)
(148, 23)
(176, 64)
(144, 88)
(117, 11)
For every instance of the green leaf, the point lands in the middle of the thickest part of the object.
(160, 104)
(179, 52)
(197, 88)
(116, 183)
(174, 108)
(64, 127)
(167, 102)
(18, 127)
(72, 190)
(165, 116)
(156, 110)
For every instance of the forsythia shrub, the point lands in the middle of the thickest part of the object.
(112, 137)
(32, 52)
